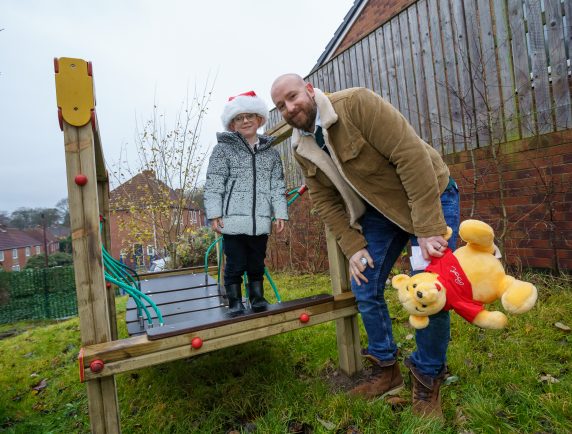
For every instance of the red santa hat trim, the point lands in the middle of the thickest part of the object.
(247, 102)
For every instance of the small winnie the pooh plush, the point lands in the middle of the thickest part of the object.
(464, 281)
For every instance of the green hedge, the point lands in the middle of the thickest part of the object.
(41, 293)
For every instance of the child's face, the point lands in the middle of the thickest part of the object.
(246, 124)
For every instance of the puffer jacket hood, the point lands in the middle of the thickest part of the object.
(245, 187)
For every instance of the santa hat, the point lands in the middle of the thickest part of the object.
(246, 102)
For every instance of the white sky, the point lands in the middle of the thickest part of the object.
(142, 51)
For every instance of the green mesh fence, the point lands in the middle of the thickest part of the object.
(37, 294)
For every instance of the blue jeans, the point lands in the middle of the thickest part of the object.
(385, 242)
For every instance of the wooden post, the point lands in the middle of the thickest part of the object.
(103, 206)
(92, 300)
(74, 90)
(347, 330)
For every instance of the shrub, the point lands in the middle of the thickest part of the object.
(54, 260)
(193, 245)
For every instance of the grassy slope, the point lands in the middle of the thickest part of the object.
(272, 382)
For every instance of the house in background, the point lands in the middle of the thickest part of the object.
(17, 246)
(146, 218)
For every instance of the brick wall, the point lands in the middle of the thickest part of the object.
(537, 178)
(302, 245)
(536, 174)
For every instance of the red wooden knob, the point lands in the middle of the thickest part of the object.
(80, 179)
(196, 343)
(304, 317)
(96, 366)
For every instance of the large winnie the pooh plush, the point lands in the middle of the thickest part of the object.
(464, 281)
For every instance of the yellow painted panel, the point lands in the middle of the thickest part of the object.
(74, 91)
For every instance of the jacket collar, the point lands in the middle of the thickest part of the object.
(235, 138)
(306, 147)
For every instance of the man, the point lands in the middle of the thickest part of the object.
(375, 184)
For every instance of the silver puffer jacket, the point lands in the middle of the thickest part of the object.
(245, 187)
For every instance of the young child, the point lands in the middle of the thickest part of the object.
(244, 189)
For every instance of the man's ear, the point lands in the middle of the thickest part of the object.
(400, 281)
(310, 89)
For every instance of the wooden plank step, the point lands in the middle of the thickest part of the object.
(162, 298)
(174, 283)
(219, 317)
(185, 306)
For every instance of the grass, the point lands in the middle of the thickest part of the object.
(515, 380)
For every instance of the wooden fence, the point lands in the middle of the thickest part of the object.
(464, 73)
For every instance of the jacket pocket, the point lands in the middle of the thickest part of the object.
(361, 158)
(351, 151)
(229, 195)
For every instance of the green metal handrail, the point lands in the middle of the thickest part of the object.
(115, 272)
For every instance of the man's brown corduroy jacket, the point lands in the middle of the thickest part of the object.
(379, 156)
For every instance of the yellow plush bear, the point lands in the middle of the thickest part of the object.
(464, 281)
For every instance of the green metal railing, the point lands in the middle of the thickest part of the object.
(128, 280)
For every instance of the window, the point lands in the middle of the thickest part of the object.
(1, 255)
(16, 267)
(137, 250)
(28, 251)
(150, 250)
(14, 253)
(38, 250)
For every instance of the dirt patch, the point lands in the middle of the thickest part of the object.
(338, 382)
(9, 333)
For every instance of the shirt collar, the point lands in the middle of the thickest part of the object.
(318, 124)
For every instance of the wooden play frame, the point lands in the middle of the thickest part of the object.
(103, 355)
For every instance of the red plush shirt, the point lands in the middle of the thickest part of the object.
(459, 289)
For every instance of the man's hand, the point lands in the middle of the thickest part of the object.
(217, 224)
(432, 246)
(357, 266)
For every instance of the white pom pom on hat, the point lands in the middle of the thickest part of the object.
(247, 102)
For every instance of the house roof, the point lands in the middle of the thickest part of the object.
(140, 190)
(12, 238)
(363, 18)
(340, 32)
(38, 235)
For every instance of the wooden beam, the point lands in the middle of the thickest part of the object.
(213, 339)
(281, 131)
(347, 330)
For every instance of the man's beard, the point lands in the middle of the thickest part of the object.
(310, 121)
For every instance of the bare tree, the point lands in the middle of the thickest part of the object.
(156, 206)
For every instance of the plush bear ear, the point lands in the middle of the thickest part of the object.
(400, 281)
(448, 235)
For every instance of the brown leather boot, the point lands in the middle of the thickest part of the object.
(425, 391)
(384, 380)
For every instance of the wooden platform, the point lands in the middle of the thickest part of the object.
(179, 298)
(190, 303)
(211, 318)
(144, 350)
